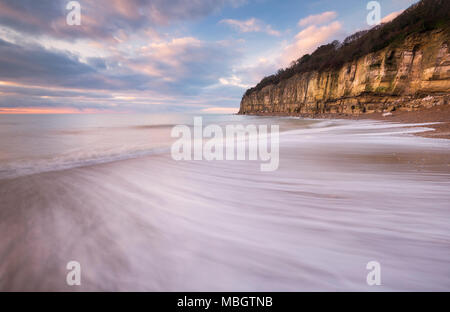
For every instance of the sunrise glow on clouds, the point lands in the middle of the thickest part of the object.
(158, 55)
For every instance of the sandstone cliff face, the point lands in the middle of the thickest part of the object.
(406, 76)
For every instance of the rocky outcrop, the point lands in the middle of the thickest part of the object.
(404, 76)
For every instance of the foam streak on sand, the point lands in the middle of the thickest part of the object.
(346, 193)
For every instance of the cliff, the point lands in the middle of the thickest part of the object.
(410, 74)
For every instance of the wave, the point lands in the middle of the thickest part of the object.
(320, 130)
(24, 168)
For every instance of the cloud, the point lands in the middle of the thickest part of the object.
(304, 42)
(391, 16)
(233, 81)
(186, 64)
(318, 19)
(307, 40)
(103, 18)
(251, 25)
(180, 67)
(255, 71)
(48, 110)
(118, 58)
(38, 66)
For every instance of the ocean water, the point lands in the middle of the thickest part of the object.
(103, 190)
(38, 143)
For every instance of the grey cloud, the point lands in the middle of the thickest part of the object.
(102, 18)
(200, 66)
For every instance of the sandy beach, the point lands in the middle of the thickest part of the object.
(438, 114)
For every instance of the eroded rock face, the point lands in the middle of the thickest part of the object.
(407, 76)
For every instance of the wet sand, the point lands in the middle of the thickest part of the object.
(438, 114)
(346, 193)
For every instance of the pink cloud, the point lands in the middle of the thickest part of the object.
(391, 16)
(309, 39)
(7, 11)
(318, 19)
(305, 42)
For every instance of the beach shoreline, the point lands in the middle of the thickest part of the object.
(437, 114)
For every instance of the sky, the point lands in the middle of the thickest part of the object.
(160, 56)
